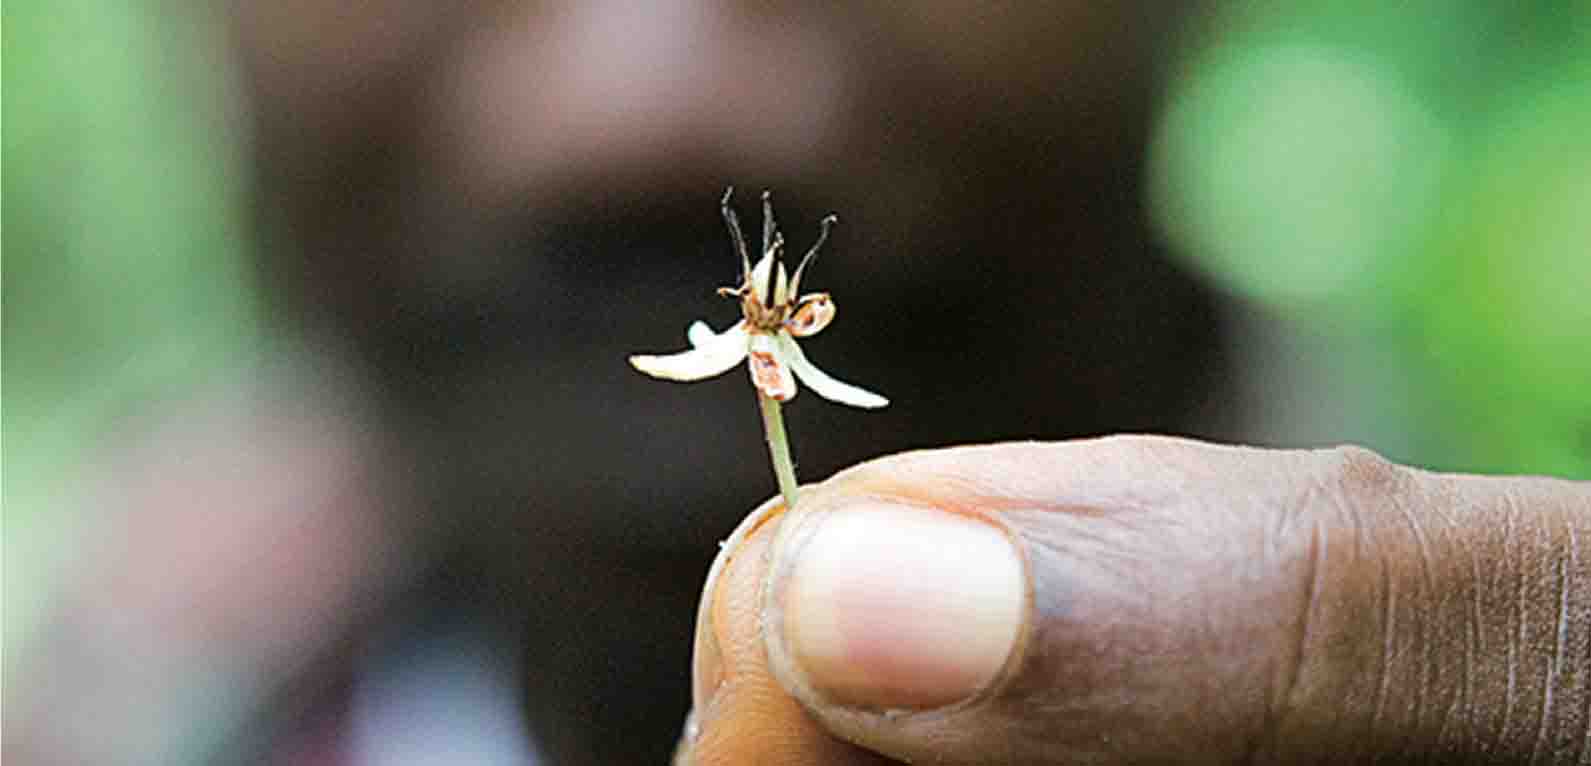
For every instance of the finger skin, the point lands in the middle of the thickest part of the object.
(1200, 604)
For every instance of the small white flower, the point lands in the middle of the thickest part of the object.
(772, 318)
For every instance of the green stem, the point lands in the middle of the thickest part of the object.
(778, 448)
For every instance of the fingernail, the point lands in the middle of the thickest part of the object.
(901, 607)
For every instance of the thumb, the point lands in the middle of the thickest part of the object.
(1156, 600)
(1083, 602)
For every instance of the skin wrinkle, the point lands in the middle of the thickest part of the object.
(1360, 538)
(1511, 556)
(1585, 741)
(1457, 720)
(1472, 642)
(1572, 587)
(1407, 601)
(1358, 531)
(1564, 619)
(1362, 547)
(1584, 753)
(1543, 703)
(1555, 662)
(1540, 649)
(1544, 719)
(1251, 751)
(1294, 667)
(1583, 747)
(1366, 552)
(1276, 540)
(1476, 678)
(1389, 602)
(1481, 642)
(1419, 625)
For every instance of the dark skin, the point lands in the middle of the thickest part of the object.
(1174, 602)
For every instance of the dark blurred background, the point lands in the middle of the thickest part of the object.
(320, 444)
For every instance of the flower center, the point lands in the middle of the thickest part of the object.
(763, 318)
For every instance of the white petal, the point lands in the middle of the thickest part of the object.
(759, 277)
(763, 270)
(700, 334)
(770, 373)
(819, 381)
(712, 355)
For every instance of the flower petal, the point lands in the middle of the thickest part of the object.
(769, 274)
(819, 381)
(712, 355)
(769, 372)
(811, 315)
(700, 334)
(759, 278)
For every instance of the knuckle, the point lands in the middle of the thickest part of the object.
(1357, 468)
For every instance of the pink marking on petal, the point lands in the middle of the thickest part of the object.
(813, 314)
(770, 376)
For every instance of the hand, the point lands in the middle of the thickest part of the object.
(1149, 600)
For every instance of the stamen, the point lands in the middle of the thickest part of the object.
(733, 221)
(823, 236)
(769, 228)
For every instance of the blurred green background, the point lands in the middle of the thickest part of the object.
(126, 279)
(1407, 183)
(1388, 207)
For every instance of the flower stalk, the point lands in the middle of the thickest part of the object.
(778, 448)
